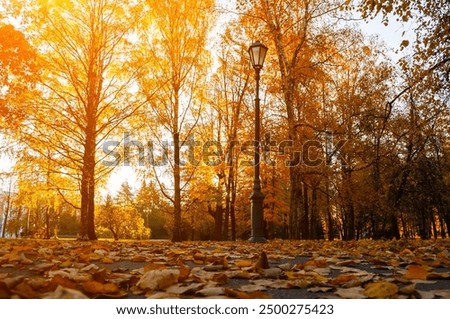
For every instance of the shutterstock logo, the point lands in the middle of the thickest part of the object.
(159, 153)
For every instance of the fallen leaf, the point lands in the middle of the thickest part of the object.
(11, 282)
(408, 290)
(315, 263)
(211, 291)
(241, 274)
(443, 293)
(176, 252)
(97, 288)
(220, 278)
(438, 275)
(24, 260)
(154, 266)
(138, 259)
(65, 293)
(342, 279)
(89, 267)
(106, 260)
(320, 289)
(406, 251)
(251, 288)
(322, 271)
(416, 272)
(159, 279)
(65, 264)
(101, 275)
(59, 281)
(426, 294)
(276, 284)
(42, 267)
(381, 290)
(199, 257)
(348, 262)
(233, 293)
(181, 289)
(38, 283)
(213, 267)
(4, 291)
(351, 293)
(11, 257)
(159, 295)
(243, 263)
(262, 262)
(45, 251)
(285, 267)
(24, 290)
(184, 271)
(273, 273)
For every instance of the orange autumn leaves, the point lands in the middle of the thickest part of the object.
(152, 269)
(18, 74)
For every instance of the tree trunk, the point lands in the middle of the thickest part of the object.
(177, 232)
(218, 222)
(226, 219)
(315, 224)
(217, 214)
(47, 222)
(328, 209)
(227, 210)
(296, 204)
(94, 87)
(233, 209)
(351, 221)
(7, 210)
(87, 228)
(305, 224)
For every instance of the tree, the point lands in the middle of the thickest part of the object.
(6, 201)
(229, 108)
(153, 208)
(86, 87)
(120, 216)
(175, 42)
(425, 94)
(303, 46)
(432, 42)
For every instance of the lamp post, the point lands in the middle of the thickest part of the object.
(257, 52)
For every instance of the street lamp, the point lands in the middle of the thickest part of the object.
(257, 52)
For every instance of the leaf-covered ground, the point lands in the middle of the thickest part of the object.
(277, 269)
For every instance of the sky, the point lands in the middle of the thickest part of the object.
(391, 34)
